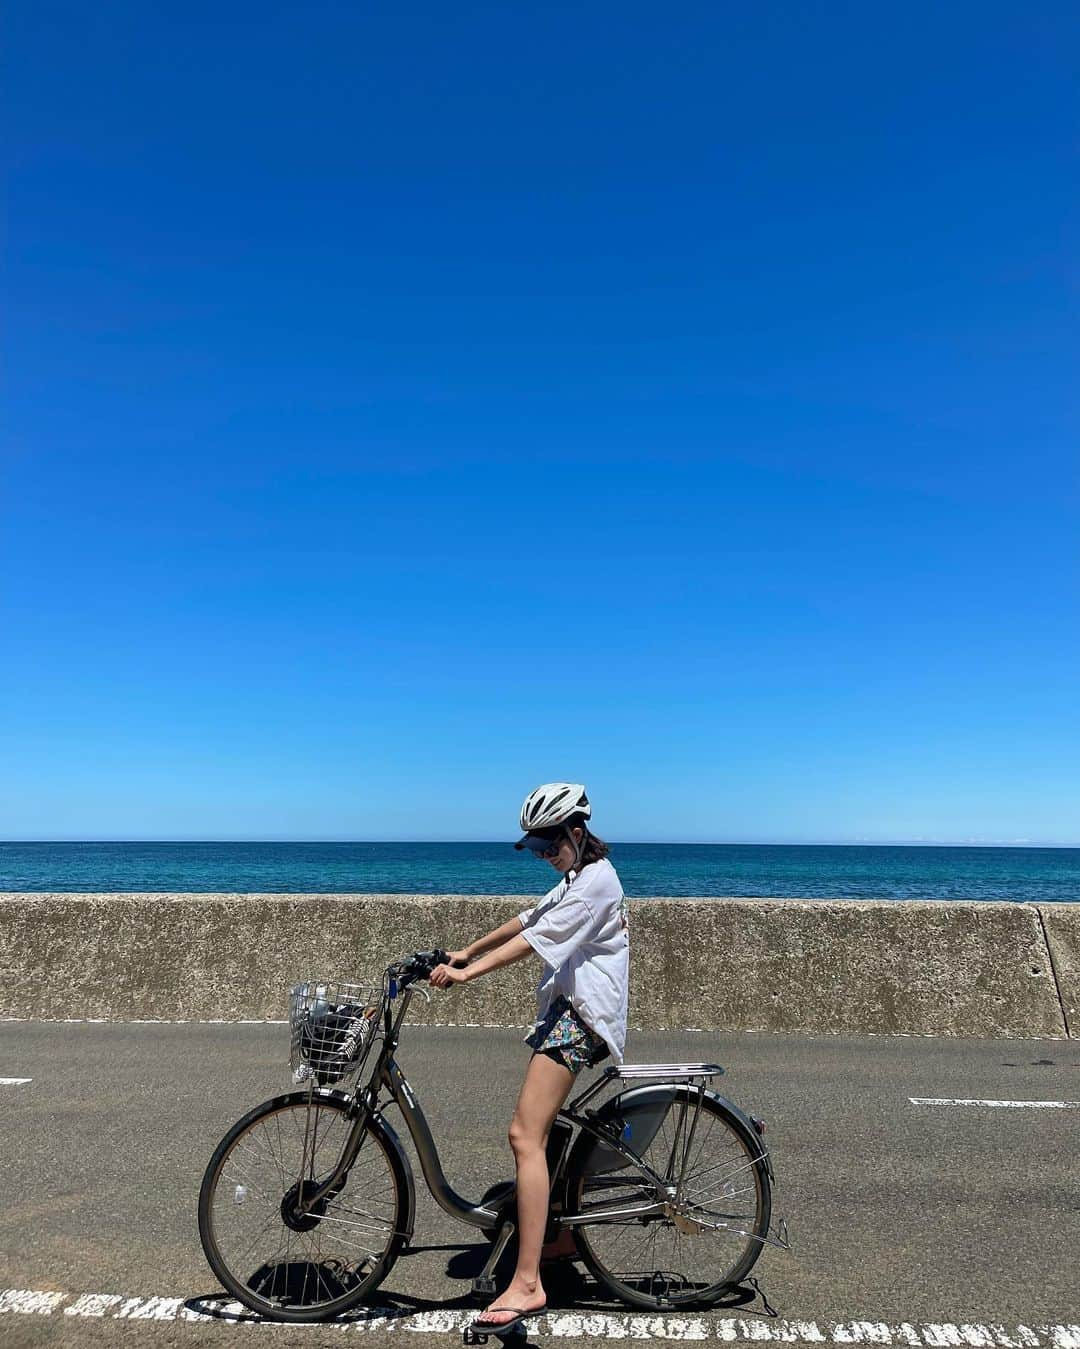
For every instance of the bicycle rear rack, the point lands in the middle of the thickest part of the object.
(664, 1070)
(683, 1072)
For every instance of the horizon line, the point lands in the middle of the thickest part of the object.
(675, 843)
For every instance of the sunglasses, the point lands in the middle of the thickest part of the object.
(543, 847)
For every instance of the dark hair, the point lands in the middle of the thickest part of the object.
(593, 847)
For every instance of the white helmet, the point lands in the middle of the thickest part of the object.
(553, 803)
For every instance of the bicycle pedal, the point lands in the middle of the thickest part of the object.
(483, 1286)
(471, 1336)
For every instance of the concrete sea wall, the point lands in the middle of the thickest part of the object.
(829, 967)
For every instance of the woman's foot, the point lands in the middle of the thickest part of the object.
(518, 1297)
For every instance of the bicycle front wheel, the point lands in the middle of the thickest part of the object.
(278, 1255)
(712, 1235)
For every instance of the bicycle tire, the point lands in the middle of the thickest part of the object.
(264, 1177)
(660, 1288)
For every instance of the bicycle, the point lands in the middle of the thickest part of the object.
(309, 1199)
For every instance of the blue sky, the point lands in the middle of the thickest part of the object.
(409, 405)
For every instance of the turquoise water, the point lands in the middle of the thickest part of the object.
(1046, 875)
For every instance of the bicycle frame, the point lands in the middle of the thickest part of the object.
(387, 1076)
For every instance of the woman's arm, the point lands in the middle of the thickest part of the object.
(514, 949)
(491, 939)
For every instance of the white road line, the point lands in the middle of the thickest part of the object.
(14, 1081)
(1008, 1105)
(566, 1325)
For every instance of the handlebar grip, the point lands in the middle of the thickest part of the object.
(423, 962)
(420, 966)
(443, 958)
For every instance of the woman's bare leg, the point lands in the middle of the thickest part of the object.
(547, 1084)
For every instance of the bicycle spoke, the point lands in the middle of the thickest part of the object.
(256, 1239)
(739, 1162)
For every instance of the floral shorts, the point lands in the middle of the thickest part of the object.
(563, 1036)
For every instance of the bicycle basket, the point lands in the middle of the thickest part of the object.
(333, 1025)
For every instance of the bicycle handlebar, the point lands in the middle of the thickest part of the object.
(418, 966)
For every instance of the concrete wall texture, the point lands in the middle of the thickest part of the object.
(821, 966)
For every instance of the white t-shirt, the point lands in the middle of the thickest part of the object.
(579, 930)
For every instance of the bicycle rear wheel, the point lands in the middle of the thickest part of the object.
(285, 1263)
(715, 1233)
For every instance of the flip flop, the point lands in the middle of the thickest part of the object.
(478, 1331)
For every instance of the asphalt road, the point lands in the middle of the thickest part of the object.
(960, 1223)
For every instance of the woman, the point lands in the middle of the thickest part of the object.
(579, 931)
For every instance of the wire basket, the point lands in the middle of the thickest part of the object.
(333, 1026)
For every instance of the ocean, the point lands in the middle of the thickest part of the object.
(795, 871)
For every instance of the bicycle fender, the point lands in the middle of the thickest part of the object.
(749, 1127)
(383, 1125)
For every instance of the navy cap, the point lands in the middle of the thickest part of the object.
(536, 843)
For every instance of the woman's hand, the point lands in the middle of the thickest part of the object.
(442, 976)
(457, 957)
